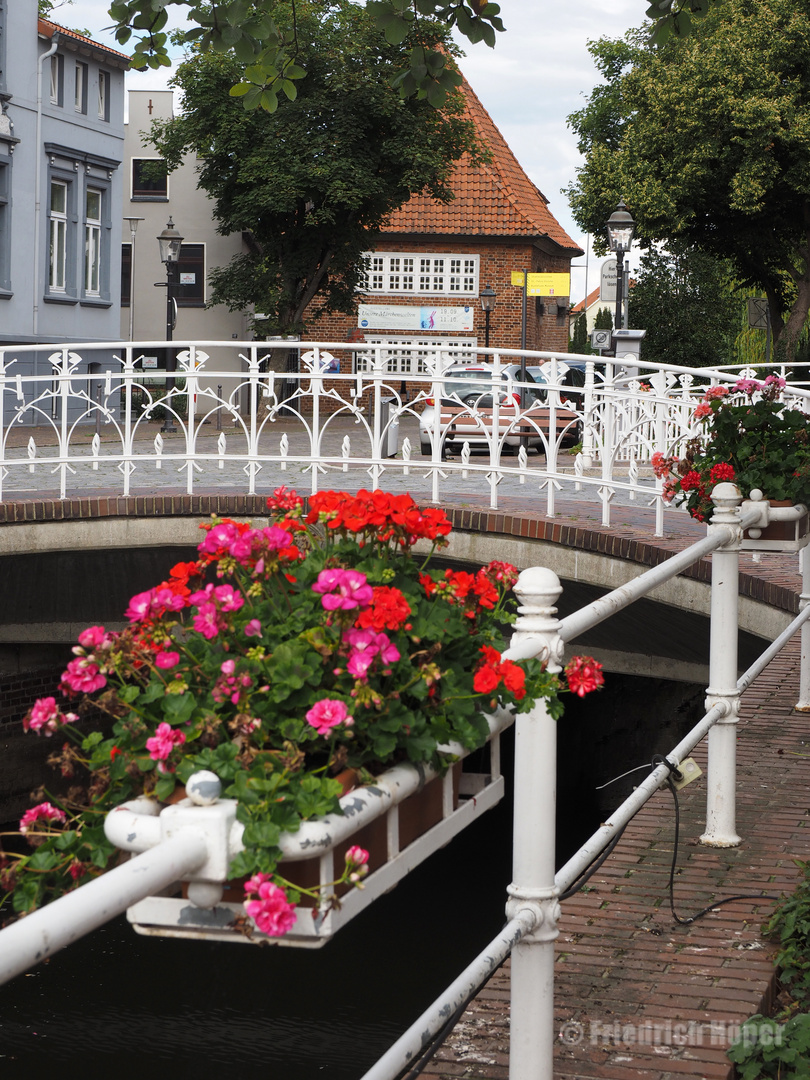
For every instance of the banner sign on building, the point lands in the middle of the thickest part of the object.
(607, 282)
(406, 317)
(548, 284)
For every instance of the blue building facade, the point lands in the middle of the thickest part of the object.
(61, 179)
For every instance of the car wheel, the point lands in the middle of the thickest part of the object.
(426, 448)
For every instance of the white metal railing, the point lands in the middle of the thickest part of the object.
(196, 842)
(81, 417)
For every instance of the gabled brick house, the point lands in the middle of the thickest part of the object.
(432, 261)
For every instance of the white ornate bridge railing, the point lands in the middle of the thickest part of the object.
(84, 418)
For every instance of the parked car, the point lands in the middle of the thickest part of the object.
(467, 410)
(570, 373)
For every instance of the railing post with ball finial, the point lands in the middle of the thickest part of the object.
(536, 633)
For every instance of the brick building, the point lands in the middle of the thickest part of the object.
(433, 260)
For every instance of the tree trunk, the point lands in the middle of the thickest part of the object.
(796, 319)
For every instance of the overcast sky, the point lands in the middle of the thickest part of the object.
(539, 72)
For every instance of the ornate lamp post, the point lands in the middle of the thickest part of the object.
(488, 305)
(620, 228)
(169, 242)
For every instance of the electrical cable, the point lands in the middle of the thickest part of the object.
(621, 776)
(673, 771)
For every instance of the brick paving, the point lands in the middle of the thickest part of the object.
(625, 970)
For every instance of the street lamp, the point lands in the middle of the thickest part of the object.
(169, 242)
(133, 228)
(488, 306)
(620, 227)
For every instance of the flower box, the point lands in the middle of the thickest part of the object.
(401, 820)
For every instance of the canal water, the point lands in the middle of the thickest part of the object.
(119, 1006)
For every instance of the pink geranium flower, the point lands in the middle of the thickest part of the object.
(206, 621)
(44, 814)
(167, 659)
(365, 645)
(272, 912)
(253, 628)
(343, 590)
(327, 714)
(95, 637)
(45, 717)
(140, 607)
(163, 742)
(83, 676)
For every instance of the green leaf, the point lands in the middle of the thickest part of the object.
(178, 708)
(261, 834)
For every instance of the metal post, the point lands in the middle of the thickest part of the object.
(171, 356)
(531, 1043)
(803, 704)
(219, 407)
(587, 415)
(721, 824)
(618, 320)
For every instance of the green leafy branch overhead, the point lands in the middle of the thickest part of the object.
(263, 37)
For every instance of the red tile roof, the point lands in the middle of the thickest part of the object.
(491, 200)
(48, 29)
(583, 305)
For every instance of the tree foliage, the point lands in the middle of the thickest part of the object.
(685, 301)
(604, 319)
(707, 139)
(580, 341)
(310, 184)
(263, 38)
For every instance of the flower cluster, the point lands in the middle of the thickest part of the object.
(280, 657)
(751, 438)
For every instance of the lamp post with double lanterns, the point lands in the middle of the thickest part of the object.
(620, 228)
(487, 296)
(170, 242)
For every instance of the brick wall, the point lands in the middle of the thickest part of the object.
(19, 692)
(499, 258)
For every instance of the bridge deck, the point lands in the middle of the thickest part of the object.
(627, 975)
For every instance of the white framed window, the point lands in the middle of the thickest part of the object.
(57, 66)
(80, 88)
(92, 242)
(104, 95)
(408, 355)
(422, 275)
(58, 225)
